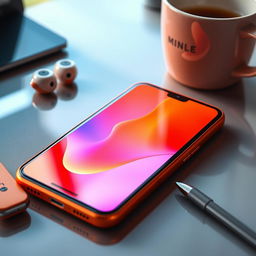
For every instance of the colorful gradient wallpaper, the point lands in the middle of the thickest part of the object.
(107, 158)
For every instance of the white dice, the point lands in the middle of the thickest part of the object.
(65, 71)
(44, 81)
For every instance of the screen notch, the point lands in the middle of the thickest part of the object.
(177, 96)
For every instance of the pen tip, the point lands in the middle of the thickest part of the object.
(184, 188)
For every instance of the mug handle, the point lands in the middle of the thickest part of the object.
(244, 70)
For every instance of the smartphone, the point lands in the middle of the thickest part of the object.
(106, 165)
(13, 199)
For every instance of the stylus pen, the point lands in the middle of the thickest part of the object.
(208, 205)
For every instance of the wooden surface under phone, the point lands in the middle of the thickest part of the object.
(13, 199)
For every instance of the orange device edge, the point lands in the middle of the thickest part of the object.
(13, 199)
(105, 220)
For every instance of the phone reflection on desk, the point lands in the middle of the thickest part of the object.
(104, 236)
(15, 224)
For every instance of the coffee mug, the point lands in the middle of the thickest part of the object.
(208, 52)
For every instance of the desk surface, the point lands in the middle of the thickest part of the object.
(116, 44)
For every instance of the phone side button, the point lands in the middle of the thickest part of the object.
(191, 154)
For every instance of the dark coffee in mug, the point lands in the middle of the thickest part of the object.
(212, 12)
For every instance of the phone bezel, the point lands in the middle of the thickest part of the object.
(148, 180)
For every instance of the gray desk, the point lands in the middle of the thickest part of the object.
(116, 43)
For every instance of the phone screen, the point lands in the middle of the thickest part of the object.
(104, 160)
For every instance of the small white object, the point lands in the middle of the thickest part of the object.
(44, 81)
(65, 70)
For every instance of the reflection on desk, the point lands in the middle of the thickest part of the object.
(214, 224)
(49, 101)
(15, 224)
(44, 101)
(111, 235)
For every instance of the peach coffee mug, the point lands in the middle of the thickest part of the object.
(208, 52)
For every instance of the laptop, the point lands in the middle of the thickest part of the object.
(21, 39)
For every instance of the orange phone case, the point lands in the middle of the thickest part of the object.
(113, 218)
(105, 236)
(13, 199)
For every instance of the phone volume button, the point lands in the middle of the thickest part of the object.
(191, 154)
